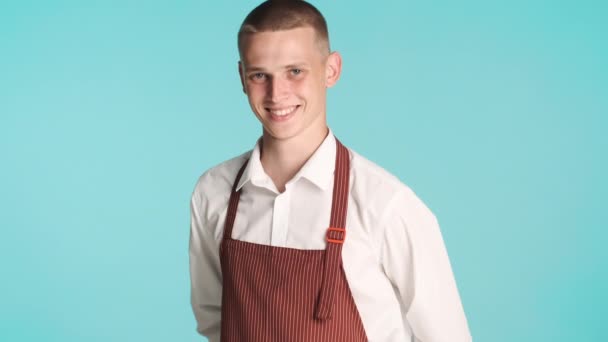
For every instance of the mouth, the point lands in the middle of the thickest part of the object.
(283, 113)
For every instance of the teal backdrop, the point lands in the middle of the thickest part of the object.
(494, 112)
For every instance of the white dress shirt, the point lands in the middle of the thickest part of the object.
(394, 257)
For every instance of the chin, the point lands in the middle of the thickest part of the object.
(281, 134)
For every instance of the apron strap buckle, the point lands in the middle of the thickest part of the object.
(337, 237)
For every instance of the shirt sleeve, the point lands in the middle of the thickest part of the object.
(415, 259)
(205, 274)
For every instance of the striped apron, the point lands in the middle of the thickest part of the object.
(285, 294)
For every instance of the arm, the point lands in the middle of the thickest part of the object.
(416, 261)
(205, 274)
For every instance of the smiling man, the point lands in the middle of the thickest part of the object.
(302, 239)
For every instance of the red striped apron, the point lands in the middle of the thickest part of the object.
(286, 294)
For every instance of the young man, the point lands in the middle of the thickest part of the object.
(301, 239)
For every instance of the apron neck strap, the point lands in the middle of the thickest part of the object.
(233, 204)
(335, 235)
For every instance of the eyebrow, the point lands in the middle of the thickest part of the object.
(254, 69)
(297, 65)
(289, 66)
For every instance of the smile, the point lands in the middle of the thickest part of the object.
(282, 114)
(282, 111)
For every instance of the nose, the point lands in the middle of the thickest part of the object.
(278, 89)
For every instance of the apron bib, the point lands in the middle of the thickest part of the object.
(286, 294)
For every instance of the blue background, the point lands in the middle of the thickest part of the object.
(494, 112)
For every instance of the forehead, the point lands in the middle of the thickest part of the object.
(285, 46)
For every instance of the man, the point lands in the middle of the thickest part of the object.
(301, 239)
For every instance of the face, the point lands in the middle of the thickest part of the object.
(285, 75)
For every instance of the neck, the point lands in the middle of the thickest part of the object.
(283, 158)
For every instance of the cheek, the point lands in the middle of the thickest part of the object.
(304, 87)
(254, 91)
(313, 90)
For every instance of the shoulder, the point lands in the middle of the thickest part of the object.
(218, 180)
(377, 188)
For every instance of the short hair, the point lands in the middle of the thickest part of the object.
(275, 15)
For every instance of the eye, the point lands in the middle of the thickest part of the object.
(296, 71)
(258, 76)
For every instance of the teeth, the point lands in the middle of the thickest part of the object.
(282, 112)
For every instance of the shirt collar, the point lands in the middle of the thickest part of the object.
(318, 169)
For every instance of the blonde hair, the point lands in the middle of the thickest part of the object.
(273, 15)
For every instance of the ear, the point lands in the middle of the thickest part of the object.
(242, 76)
(333, 68)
